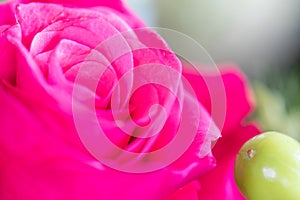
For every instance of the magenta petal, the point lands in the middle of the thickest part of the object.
(52, 20)
(42, 156)
(116, 6)
(34, 17)
(8, 57)
(239, 99)
(43, 160)
(27, 71)
(29, 76)
(133, 20)
(219, 183)
(189, 191)
(7, 14)
(238, 137)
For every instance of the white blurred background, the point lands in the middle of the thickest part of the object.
(255, 34)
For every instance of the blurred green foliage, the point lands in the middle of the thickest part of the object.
(287, 82)
(278, 101)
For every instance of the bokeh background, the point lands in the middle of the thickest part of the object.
(260, 36)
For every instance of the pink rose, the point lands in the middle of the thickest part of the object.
(60, 74)
(219, 183)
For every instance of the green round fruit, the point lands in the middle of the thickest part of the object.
(267, 167)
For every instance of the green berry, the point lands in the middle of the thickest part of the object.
(267, 167)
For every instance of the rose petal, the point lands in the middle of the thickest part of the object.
(238, 137)
(68, 170)
(29, 77)
(112, 3)
(220, 183)
(116, 6)
(42, 155)
(86, 31)
(239, 100)
(7, 14)
(34, 17)
(27, 68)
(7, 57)
(189, 191)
